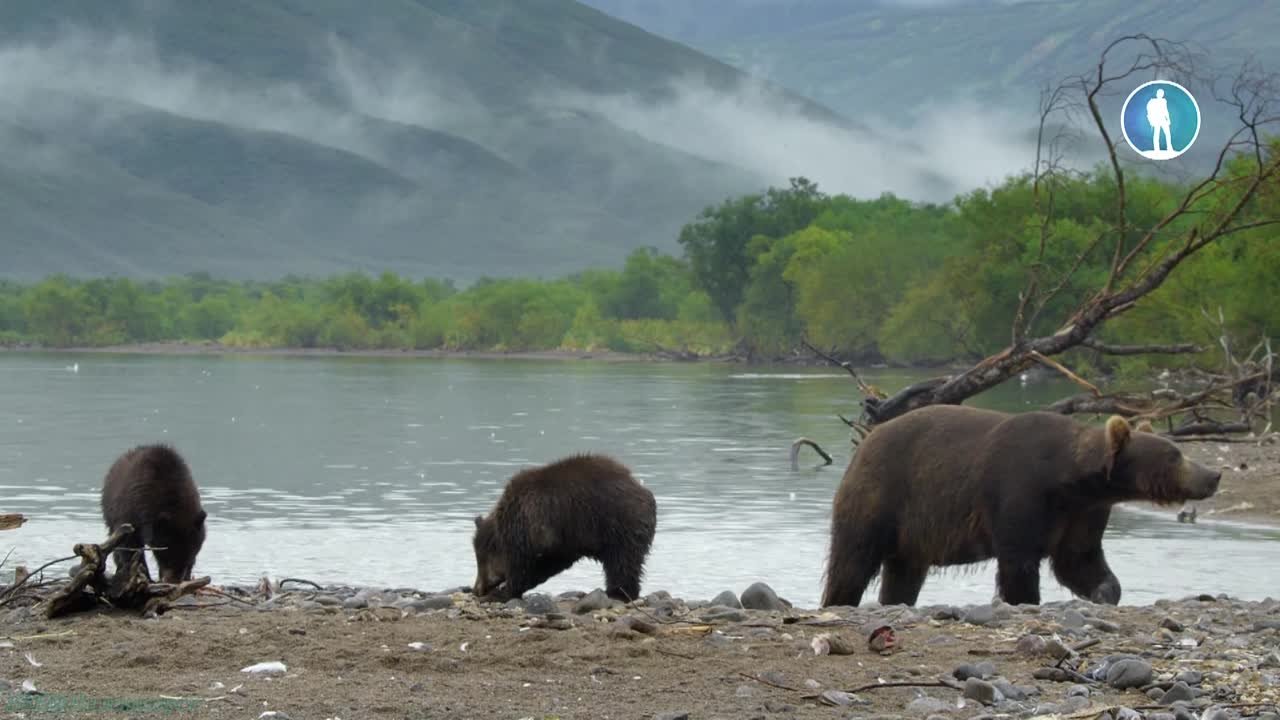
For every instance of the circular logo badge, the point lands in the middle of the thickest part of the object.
(1160, 119)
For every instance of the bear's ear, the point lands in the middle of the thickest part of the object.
(479, 519)
(200, 517)
(1118, 432)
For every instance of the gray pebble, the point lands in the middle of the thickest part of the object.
(727, 599)
(594, 600)
(926, 705)
(1125, 713)
(328, 600)
(723, 614)
(979, 615)
(981, 671)
(1179, 692)
(744, 691)
(571, 596)
(356, 602)
(839, 698)
(438, 602)
(671, 716)
(1054, 648)
(1076, 703)
(1072, 618)
(946, 613)
(1181, 713)
(539, 604)
(1030, 645)
(1078, 691)
(1172, 625)
(1190, 677)
(1009, 690)
(1104, 625)
(1129, 673)
(982, 691)
(761, 597)
(1161, 716)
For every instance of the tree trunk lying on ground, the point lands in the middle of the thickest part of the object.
(129, 588)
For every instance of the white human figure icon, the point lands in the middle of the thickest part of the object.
(1158, 117)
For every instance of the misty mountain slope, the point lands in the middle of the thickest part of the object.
(899, 56)
(431, 137)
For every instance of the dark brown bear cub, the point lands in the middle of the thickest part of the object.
(150, 488)
(550, 517)
(949, 485)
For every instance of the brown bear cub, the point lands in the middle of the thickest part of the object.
(150, 488)
(550, 517)
(949, 485)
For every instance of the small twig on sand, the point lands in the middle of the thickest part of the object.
(762, 681)
(300, 581)
(673, 653)
(229, 596)
(10, 590)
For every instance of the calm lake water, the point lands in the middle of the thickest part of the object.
(369, 470)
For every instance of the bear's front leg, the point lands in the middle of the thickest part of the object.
(1079, 563)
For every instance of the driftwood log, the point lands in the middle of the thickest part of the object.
(12, 521)
(130, 587)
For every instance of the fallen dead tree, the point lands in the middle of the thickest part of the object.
(90, 587)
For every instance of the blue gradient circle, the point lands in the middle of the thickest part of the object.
(1184, 120)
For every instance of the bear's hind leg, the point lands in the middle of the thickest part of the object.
(901, 580)
(623, 571)
(853, 563)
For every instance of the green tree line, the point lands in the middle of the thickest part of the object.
(880, 280)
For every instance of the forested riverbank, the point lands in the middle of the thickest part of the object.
(870, 281)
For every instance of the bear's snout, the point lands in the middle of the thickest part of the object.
(1202, 482)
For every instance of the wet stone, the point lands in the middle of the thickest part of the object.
(1129, 673)
(981, 671)
(1179, 692)
(1030, 645)
(593, 601)
(671, 716)
(539, 604)
(1009, 690)
(727, 599)
(927, 706)
(1078, 691)
(1190, 677)
(981, 691)
(979, 615)
(761, 597)
(723, 614)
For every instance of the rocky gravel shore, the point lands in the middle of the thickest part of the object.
(294, 650)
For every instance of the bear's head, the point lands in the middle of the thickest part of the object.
(177, 539)
(491, 564)
(1140, 465)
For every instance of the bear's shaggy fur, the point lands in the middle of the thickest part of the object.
(150, 487)
(949, 485)
(549, 517)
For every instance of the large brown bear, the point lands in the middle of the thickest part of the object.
(150, 487)
(949, 485)
(551, 516)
